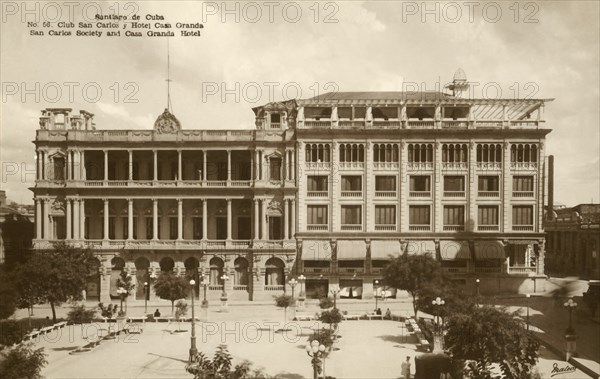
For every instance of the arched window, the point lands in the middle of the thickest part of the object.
(241, 271)
(166, 264)
(216, 271)
(141, 275)
(191, 272)
(274, 272)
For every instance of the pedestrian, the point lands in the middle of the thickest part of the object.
(378, 311)
(405, 367)
(388, 314)
(157, 313)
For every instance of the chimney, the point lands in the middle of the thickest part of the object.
(550, 214)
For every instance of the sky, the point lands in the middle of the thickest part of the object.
(250, 53)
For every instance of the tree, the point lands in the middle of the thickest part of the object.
(169, 286)
(8, 296)
(454, 298)
(487, 335)
(221, 367)
(325, 303)
(55, 276)
(411, 272)
(284, 301)
(124, 281)
(22, 361)
(332, 317)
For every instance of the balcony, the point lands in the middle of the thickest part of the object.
(317, 227)
(385, 228)
(455, 124)
(420, 124)
(273, 287)
(318, 165)
(454, 228)
(240, 287)
(352, 165)
(157, 183)
(354, 194)
(455, 270)
(489, 165)
(521, 270)
(492, 124)
(522, 228)
(387, 124)
(317, 194)
(454, 194)
(523, 166)
(317, 270)
(488, 228)
(455, 165)
(419, 194)
(386, 194)
(524, 124)
(488, 270)
(275, 125)
(419, 166)
(351, 124)
(317, 124)
(522, 194)
(351, 227)
(419, 228)
(488, 193)
(386, 165)
(351, 270)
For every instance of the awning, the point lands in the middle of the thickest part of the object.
(351, 250)
(489, 250)
(454, 250)
(381, 250)
(420, 247)
(316, 250)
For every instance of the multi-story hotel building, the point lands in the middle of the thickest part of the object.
(329, 187)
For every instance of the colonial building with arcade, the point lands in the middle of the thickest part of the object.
(330, 187)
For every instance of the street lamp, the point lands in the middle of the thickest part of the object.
(293, 282)
(334, 292)
(145, 298)
(302, 295)
(193, 350)
(224, 278)
(315, 350)
(376, 292)
(204, 284)
(121, 291)
(438, 337)
(570, 336)
(527, 296)
(477, 287)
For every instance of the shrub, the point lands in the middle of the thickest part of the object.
(325, 303)
(11, 332)
(22, 362)
(109, 311)
(80, 315)
(325, 337)
(331, 317)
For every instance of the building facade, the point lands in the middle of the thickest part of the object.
(573, 238)
(330, 187)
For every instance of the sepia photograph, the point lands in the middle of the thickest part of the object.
(320, 189)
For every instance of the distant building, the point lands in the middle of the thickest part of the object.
(328, 187)
(12, 213)
(572, 241)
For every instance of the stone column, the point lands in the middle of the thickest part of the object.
(105, 165)
(229, 220)
(129, 219)
(263, 219)
(204, 155)
(286, 216)
(76, 222)
(40, 166)
(154, 219)
(437, 189)
(255, 168)
(68, 214)
(155, 164)
(68, 162)
(256, 220)
(130, 165)
(76, 164)
(82, 220)
(293, 218)
(293, 168)
(83, 173)
(228, 166)
(179, 168)
(204, 219)
(179, 219)
(105, 219)
(38, 219)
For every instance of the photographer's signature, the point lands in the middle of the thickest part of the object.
(561, 370)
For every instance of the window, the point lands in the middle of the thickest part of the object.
(385, 183)
(385, 215)
(454, 183)
(275, 118)
(316, 183)
(522, 215)
(351, 183)
(384, 113)
(317, 113)
(149, 225)
(172, 228)
(489, 183)
(59, 168)
(111, 228)
(317, 215)
(385, 153)
(317, 152)
(344, 113)
(454, 215)
(352, 152)
(419, 153)
(420, 183)
(523, 183)
(351, 215)
(275, 168)
(489, 153)
(419, 215)
(455, 153)
(487, 215)
(523, 153)
(197, 228)
(360, 112)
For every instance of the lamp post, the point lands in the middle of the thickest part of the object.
(527, 296)
(335, 292)
(438, 336)
(204, 284)
(477, 287)
(121, 291)
(145, 298)
(302, 295)
(376, 294)
(315, 350)
(224, 278)
(193, 350)
(293, 282)
(570, 336)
